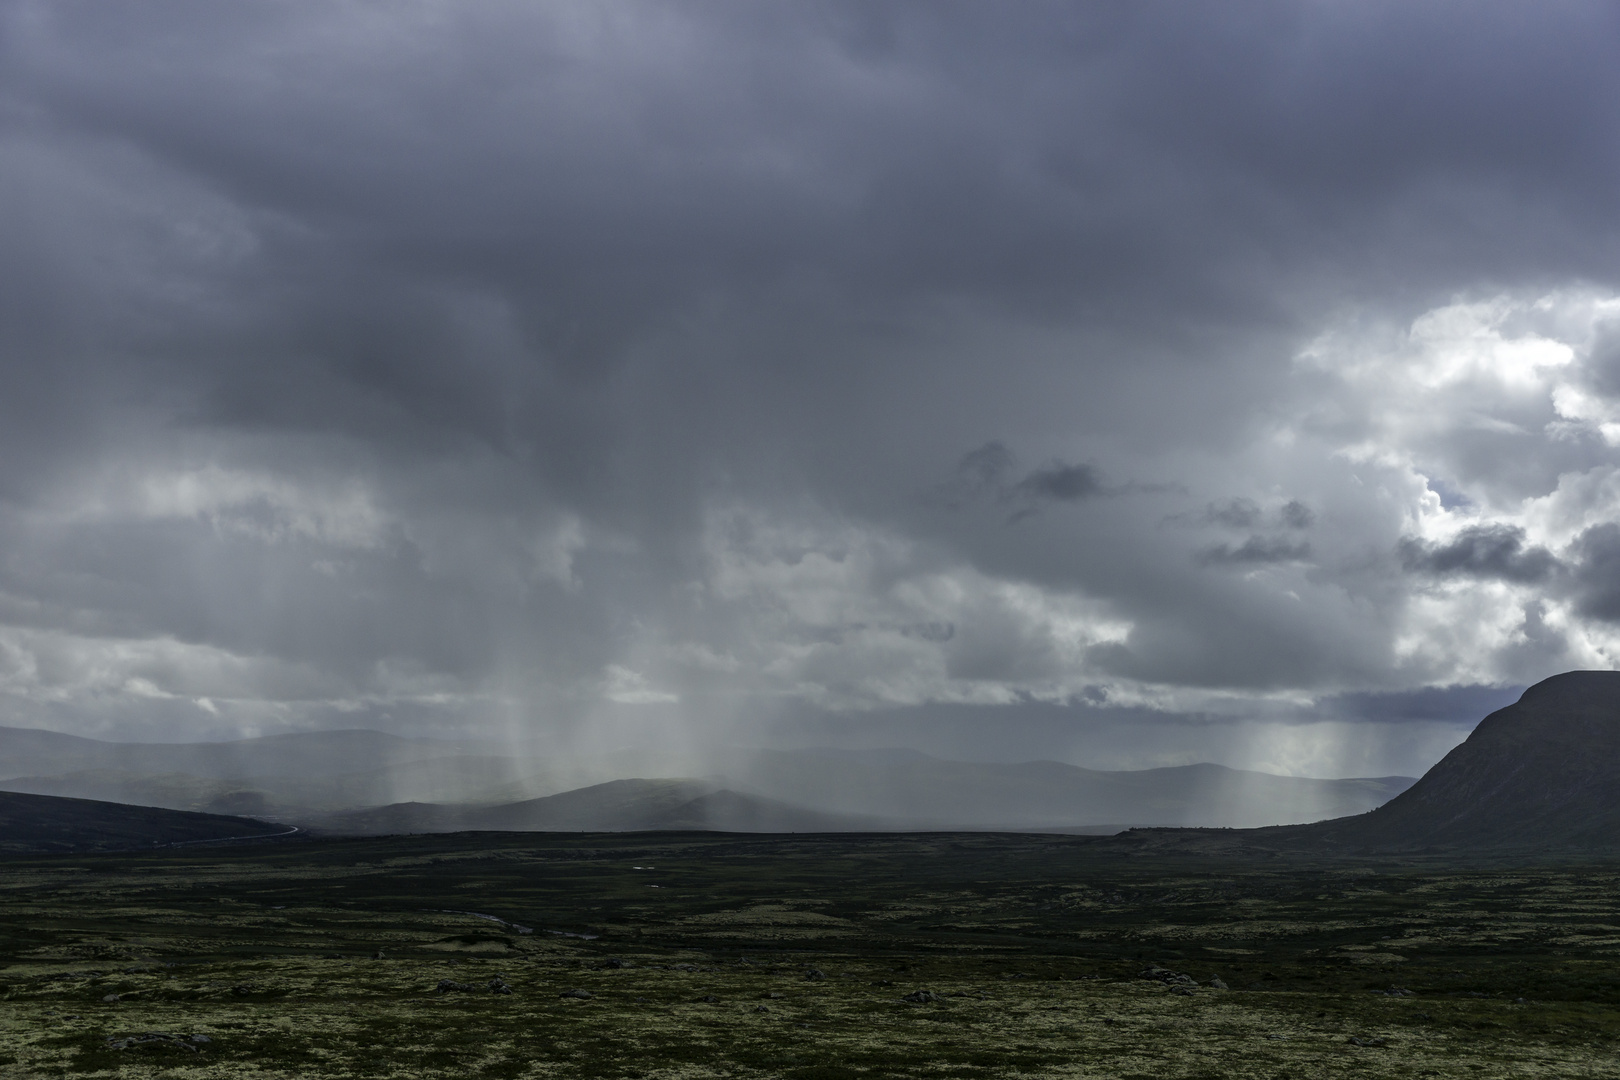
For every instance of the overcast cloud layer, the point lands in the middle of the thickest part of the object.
(1130, 383)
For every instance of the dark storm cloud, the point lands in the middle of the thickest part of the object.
(1597, 572)
(493, 358)
(991, 471)
(1256, 549)
(1235, 513)
(1482, 551)
(1061, 483)
(1296, 515)
(1454, 704)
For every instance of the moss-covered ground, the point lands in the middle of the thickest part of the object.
(793, 957)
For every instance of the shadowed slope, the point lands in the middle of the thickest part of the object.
(45, 823)
(1544, 771)
(1541, 775)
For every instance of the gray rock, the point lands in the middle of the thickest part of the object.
(921, 997)
(709, 999)
(1215, 983)
(576, 992)
(160, 1039)
(1166, 976)
(814, 974)
(498, 986)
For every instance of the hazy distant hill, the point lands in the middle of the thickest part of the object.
(275, 775)
(452, 778)
(42, 823)
(1042, 795)
(616, 806)
(311, 776)
(923, 791)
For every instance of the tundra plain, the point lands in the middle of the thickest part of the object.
(827, 957)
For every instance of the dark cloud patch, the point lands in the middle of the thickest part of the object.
(1061, 483)
(1234, 513)
(1604, 357)
(1597, 572)
(1296, 515)
(990, 470)
(1451, 704)
(988, 466)
(1256, 551)
(1481, 551)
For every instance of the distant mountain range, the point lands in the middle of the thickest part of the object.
(370, 782)
(914, 790)
(1541, 775)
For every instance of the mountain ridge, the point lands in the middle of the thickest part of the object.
(312, 776)
(1540, 775)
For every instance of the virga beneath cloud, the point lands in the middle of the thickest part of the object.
(514, 368)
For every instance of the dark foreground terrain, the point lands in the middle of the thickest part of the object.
(702, 955)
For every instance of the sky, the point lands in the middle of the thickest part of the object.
(1124, 383)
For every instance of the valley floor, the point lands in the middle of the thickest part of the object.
(805, 958)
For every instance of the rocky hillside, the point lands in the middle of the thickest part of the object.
(1543, 772)
(1540, 776)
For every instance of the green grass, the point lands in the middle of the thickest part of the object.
(1034, 945)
